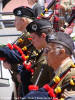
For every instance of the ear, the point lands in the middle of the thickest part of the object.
(43, 35)
(23, 19)
(62, 51)
(24, 22)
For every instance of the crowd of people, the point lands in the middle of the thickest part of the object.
(42, 59)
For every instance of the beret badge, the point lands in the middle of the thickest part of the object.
(50, 37)
(19, 12)
(34, 27)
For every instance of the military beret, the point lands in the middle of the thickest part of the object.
(24, 12)
(38, 24)
(61, 38)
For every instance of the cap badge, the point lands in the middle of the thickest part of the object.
(34, 27)
(51, 37)
(19, 12)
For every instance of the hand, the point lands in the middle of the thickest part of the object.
(18, 78)
(6, 65)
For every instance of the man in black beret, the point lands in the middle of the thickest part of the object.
(23, 16)
(59, 49)
(38, 29)
(20, 24)
(38, 25)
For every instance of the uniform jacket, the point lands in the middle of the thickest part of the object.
(69, 90)
(46, 74)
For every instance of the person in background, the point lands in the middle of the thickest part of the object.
(36, 6)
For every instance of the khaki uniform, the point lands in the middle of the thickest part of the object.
(69, 90)
(46, 74)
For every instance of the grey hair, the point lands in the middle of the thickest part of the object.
(29, 20)
(59, 46)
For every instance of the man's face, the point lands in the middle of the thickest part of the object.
(20, 23)
(37, 41)
(52, 54)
